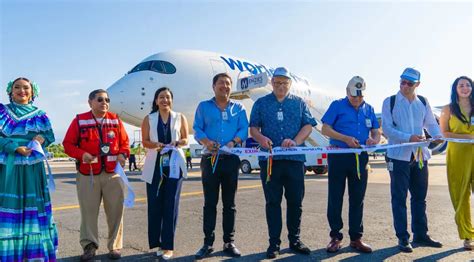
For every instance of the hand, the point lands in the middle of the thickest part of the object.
(39, 138)
(230, 144)
(416, 138)
(159, 146)
(371, 142)
(352, 142)
(88, 158)
(212, 146)
(288, 143)
(23, 150)
(121, 159)
(265, 142)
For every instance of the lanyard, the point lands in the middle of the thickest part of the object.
(99, 127)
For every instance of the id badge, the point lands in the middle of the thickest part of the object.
(104, 149)
(224, 116)
(280, 116)
(166, 160)
(368, 123)
(472, 120)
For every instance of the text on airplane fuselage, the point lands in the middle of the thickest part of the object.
(256, 69)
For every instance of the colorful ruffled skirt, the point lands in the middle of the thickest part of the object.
(27, 228)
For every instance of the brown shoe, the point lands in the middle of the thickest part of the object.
(361, 246)
(334, 245)
(115, 254)
(89, 252)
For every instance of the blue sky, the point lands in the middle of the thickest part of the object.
(72, 47)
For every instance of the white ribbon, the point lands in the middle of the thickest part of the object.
(34, 145)
(460, 140)
(130, 200)
(177, 161)
(286, 151)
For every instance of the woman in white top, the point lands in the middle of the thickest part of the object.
(163, 132)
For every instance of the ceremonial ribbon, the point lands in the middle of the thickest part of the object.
(214, 160)
(161, 176)
(419, 152)
(130, 199)
(357, 165)
(91, 176)
(269, 165)
(36, 146)
(176, 163)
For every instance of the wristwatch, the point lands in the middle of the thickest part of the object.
(235, 142)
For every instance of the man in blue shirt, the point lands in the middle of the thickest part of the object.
(403, 120)
(282, 119)
(349, 122)
(220, 122)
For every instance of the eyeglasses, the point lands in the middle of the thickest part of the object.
(281, 83)
(408, 83)
(102, 99)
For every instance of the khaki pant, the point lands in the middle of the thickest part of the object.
(109, 188)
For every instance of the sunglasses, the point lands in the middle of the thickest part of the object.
(408, 83)
(102, 99)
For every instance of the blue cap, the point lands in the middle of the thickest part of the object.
(411, 74)
(282, 71)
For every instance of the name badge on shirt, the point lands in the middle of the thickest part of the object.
(368, 123)
(224, 116)
(280, 116)
(166, 160)
(472, 120)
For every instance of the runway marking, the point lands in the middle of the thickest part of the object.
(143, 199)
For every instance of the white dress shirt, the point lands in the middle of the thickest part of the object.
(410, 119)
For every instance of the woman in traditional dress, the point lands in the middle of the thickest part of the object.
(27, 228)
(457, 121)
(163, 127)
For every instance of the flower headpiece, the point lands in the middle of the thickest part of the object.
(34, 87)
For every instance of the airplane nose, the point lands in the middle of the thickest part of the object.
(116, 95)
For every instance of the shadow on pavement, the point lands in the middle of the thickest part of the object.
(440, 255)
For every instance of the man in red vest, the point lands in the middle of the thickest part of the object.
(98, 141)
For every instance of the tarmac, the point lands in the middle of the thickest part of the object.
(251, 228)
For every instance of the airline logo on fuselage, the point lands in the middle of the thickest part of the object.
(255, 69)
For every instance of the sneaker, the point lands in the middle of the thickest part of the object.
(273, 251)
(231, 250)
(426, 240)
(159, 252)
(468, 244)
(204, 252)
(405, 246)
(89, 252)
(115, 254)
(299, 247)
(167, 254)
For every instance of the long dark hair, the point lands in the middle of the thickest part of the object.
(454, 105)
(154, 106)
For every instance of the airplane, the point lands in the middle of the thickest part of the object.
(189, 73)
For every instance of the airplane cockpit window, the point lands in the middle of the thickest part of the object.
(140, 67)
(169, 67)
(158, 66)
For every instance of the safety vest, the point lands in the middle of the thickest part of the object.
(83, 136)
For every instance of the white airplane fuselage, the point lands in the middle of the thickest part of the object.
(191, 82)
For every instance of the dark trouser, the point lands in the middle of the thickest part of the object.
(130, 165)
(287, 175)
(163, 209)
(342, 167)
(226, 175)
(189, 164)
(408, 176)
